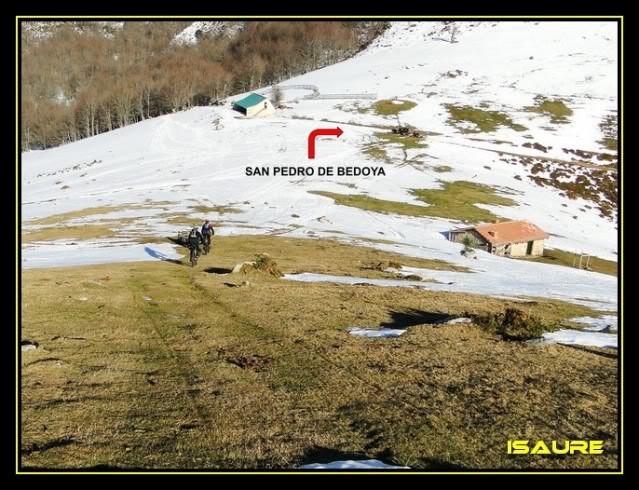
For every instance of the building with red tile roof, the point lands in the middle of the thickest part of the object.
(507, 238)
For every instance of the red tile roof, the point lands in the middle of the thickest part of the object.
(510, 232)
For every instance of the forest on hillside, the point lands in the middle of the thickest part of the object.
(79, 79)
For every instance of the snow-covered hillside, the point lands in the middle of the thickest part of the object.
(190, 34)
(165, 167)
(39, 30)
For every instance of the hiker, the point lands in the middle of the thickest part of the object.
(207, 233)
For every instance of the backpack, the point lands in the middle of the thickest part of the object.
(193, 239)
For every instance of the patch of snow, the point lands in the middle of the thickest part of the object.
(458, 320)
(606, 322)
(382, 332)
(580, 337)
(312, 277)
(364, 464)
(191, 33)
(599, 292)
(85, 253)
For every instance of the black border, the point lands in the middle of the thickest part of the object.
(297, 472)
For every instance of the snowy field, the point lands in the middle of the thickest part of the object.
(366, 464)
(164, 167)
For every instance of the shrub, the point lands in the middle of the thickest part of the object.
(265, 263)
(513, 324)
(412, 277)
(469, 243)
(381, 265)
(277, 97)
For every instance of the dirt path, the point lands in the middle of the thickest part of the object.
(174, 371)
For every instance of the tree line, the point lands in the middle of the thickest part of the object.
(77, 83)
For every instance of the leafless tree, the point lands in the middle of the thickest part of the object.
(78, 83)
(277, 95)
(453, 33)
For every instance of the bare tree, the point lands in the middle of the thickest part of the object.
(79, 82)
(255, 67)
(277, 96)
(453, 33)
(214, 82)
(123, 102)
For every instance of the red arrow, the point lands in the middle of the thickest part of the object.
(320, 132)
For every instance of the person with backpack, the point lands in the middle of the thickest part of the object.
(194, 239)
(207, 234)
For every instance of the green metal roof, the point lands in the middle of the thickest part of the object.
(250, 101)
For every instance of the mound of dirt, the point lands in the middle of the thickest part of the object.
(254, 362)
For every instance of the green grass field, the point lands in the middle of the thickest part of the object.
(556, 109)
(480, 120)
(392, 107)
(406, 142)
(455, 200)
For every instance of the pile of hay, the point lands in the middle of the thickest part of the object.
(263, 263)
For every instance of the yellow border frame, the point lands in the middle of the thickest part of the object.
(312, 17)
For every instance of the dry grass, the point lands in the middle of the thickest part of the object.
(101, 229)
(262, 264)
(569, 259)
(61, 218)
(405, 142)
(318, 256)
(377, 153)
(609, 129)
(82, 213)
(147, 239)
(80, 232)
(215, 209)
(181, 219)
(150, 203)
(62, 221)
(596, 183)
(165, 366)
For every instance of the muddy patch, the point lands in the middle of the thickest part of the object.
(218, 270)
(253, 362)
